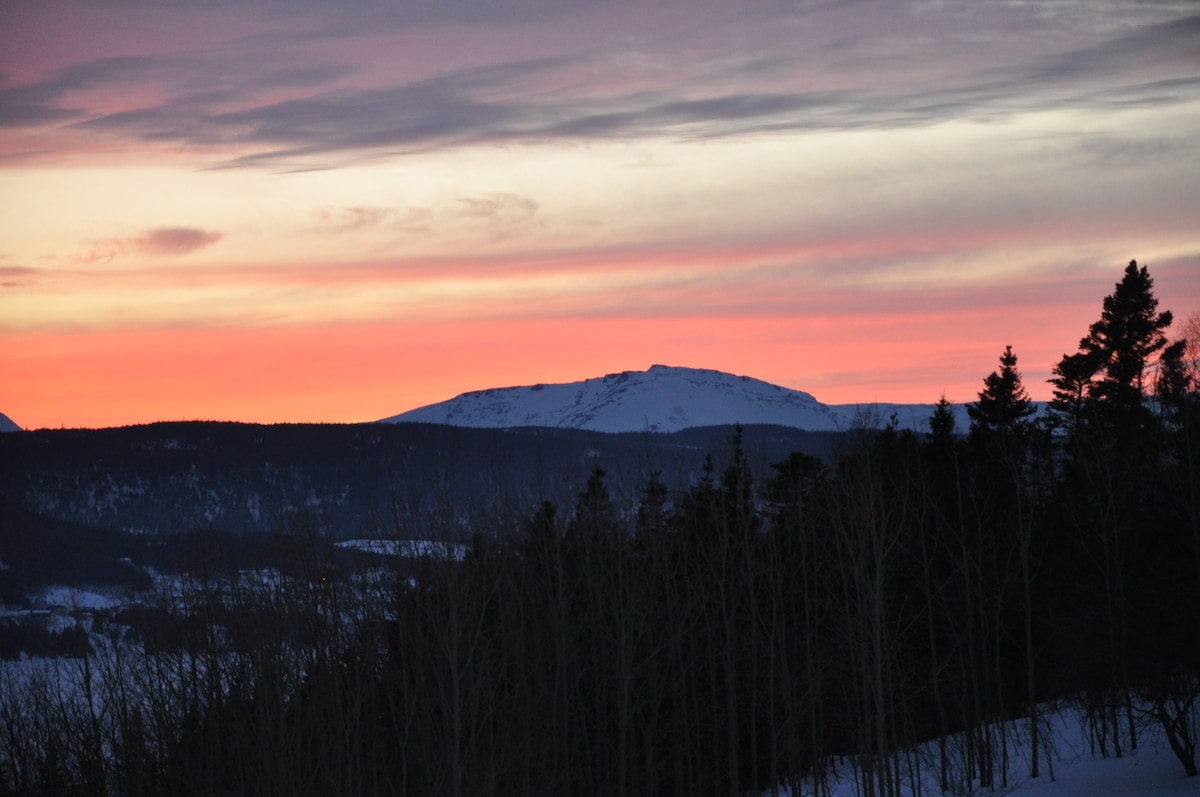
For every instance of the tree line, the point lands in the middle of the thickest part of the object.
(733, 636)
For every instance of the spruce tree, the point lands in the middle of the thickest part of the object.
(1002, 432)
(1004, 404)
(1173, 386)
(1128, 334)
(1072, 383)
(942, 424)
(595, 514)
(652, 509)
(1111, 495)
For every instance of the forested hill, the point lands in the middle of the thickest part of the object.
(179, 477)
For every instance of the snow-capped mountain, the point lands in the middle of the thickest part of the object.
(7, 425)
(661, 399)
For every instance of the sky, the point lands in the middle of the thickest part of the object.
(335, 212)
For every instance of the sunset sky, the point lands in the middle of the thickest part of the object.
(338, 211)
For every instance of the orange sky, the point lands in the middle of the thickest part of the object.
(330, 213)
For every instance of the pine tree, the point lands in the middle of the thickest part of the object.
(1174, 384)
(1004, 404)
(1072, 383)
(1128, 334)
(737, 491)
(652, 509)
(1001, 429)
(942, 424)
(595, 515)
(1111, 488)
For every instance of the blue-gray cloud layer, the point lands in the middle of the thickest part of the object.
(223, 101)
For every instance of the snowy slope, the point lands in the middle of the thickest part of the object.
(7, 425)
(1075, 771)
(661, 399)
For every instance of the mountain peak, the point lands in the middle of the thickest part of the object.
(7, 424)
(662, 398)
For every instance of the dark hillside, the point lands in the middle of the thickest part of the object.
(37, 550)
(189, 476)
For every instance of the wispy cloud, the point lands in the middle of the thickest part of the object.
(494, 214)
(365, 218)
(1173, 41)
(16, 276)
(49, 100)
(690, 88)
(500, 209)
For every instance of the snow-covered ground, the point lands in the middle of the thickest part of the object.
(1074, 771)
(82, 598)
(408, 548)
(1150, 771)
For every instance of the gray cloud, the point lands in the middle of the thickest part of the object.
(1173, 40)
(163, 241)
(198, 82)
(43, 102)
(174, 241)
(32, 105)
(530, 100)
(438, 111)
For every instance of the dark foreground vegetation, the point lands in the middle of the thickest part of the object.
(731, 636)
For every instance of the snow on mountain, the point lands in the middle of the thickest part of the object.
(7, 425)
(661, 399)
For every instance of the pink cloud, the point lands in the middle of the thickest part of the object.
(174, 240)
(15, 276)
(168, 241)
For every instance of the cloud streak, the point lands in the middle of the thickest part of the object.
(585, 94)
(447, 112)
(16, 276)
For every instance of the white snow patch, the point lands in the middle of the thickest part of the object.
(408, 548)
(77, 598)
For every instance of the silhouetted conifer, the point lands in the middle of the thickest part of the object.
(1004, 404)
(1128, 334)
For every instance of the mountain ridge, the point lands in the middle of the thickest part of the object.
(661, 399)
